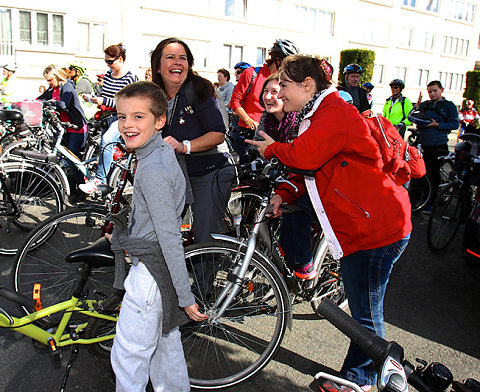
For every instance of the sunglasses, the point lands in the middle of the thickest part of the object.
(394, 87)
(238, 72)
(110, 62)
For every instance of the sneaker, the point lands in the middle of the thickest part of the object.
(90, 186)
(307, 272)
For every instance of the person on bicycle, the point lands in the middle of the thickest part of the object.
(397, 107)
(367, 236)
(353, 74)
(368, 87)
(83, 85)
(468, 116)
(62, 91)
(147, 343)
(245, 98)
(239, 68)
(443, 118)
(116, 78)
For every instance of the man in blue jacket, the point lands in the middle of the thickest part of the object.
(444, 118)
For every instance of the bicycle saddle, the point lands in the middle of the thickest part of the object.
(11, 115)
(99, 254)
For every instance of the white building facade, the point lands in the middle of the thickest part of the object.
(414, 40)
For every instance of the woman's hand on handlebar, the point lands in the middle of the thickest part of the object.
(276, 201)
(261, 144)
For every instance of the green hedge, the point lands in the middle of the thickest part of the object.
(472, 88)
(363, 57)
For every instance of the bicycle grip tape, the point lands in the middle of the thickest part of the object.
(374, 346)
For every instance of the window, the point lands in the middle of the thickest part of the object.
(25, 19)
(199, 50)
(416, 38)
(455, 46)
(422, 5)
(312, 19)
(6, 47)
(400, 73)
(261, 54)
(462, 10)
(91, 37)
(233, 54)
(378, 71)
(372, 32)
(236, 8)
(40, 28)
(423, 75)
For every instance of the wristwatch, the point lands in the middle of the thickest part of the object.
(188, 145)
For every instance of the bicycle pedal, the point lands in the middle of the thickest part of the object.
(55, 355)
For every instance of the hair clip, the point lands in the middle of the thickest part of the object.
(327, 68)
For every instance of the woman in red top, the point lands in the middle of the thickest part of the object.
(365, 216)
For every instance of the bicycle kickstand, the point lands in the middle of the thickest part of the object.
(73, 355)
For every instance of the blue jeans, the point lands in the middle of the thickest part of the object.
(75, 142)
(110, 135)
(365, 276)
(240, 147)
(296, 233)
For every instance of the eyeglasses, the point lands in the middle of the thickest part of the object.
(394, 87)
(238, 72)
(110, 62)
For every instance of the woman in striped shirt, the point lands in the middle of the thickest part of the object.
(115, 79)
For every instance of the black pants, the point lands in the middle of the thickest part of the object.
(431, 155)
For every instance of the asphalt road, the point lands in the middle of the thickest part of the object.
(432, 309)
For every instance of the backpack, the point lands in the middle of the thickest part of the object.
(400, 160)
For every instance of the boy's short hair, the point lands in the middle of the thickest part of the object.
(435, 83)
(144, 89)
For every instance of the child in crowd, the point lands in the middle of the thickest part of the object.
(147, 342)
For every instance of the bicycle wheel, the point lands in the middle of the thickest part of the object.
(329, 280)
(420, 193)
(98, 327)
(445, 217)
(35, 195)
(238, 345)
(41, 259)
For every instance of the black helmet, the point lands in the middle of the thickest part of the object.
(283, 48)
(352, 68)
(398, 82)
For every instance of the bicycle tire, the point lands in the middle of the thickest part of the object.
(98, 327)
(238, 345)
(37, 197)
(41, 259)
(330, 276)
(420, 193)
(445, 217)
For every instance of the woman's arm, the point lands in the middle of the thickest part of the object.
(203, 143)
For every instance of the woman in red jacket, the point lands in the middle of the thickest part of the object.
(365, 216)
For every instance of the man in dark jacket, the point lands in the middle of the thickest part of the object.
(353, 74)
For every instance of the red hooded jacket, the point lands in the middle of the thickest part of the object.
(365, 208)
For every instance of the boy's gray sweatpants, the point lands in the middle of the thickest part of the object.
(139, 350)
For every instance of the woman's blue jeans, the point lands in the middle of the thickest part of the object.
(110, 135)
(365, 276)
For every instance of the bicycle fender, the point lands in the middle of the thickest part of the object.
(236, 241)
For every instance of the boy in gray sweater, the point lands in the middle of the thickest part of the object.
(147, 342)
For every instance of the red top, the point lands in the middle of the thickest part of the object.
(366, 209)
(249, 103)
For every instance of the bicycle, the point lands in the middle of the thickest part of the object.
(394, 372)
(28, 196)
(77, 321)
(454, 200)
(248, 297)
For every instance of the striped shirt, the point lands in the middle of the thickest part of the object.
(112, 85)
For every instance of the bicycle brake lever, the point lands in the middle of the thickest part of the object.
(280, 180)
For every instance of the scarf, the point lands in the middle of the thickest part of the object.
(280, 131)
(306, 109)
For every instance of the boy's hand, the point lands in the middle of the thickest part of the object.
(194, 314)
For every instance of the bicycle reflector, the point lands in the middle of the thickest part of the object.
(36, 296)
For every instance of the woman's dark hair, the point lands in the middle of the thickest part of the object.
(298, 67)
(203, 87)
(116, 51)
(225, 73)
(148, 90)
(273, 76)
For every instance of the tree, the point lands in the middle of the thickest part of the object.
(363, 57)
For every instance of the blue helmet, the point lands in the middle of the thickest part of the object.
(368, 85)
(346, 96)
(352, 68)
(242, 65)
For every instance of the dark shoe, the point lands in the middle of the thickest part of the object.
(307, 272)
(76, 196)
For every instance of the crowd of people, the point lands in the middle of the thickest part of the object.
(288, 108)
